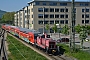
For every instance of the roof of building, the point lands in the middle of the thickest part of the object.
(56, 1)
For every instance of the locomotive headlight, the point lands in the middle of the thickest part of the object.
(53, 50)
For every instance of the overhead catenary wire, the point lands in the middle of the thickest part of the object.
(17, 49)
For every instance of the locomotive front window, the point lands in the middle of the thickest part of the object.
(51, 44)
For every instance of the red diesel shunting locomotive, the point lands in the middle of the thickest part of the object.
(34, 37)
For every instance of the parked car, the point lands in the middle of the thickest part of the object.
(62, 40)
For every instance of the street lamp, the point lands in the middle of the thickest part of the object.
(58, 26)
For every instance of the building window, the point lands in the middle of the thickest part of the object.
(87, 15)
(87, 10)
(56, 21)
(44, 3)
(61, 10)
(82, 15)
(82, 21)
(52, 16)
(40, 9)
(40, 15)
(81, 4)
(66, 21)
(66, 10)
(25, 11)
(56, 15)
(32, 10)
(61, 16)
(46, 16)
(87, 21)
(32, 16)
(40, 22)
(51, 9)
(51, 21)
(66, 16)
(63, 4)
(46, 22)
(46, 9)
(86, 4)
(56, 9)
(53, 4)
(28, 11)
(37, 3)
(75, 10)
(82, 10)
(61, 21)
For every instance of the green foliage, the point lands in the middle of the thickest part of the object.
(9, 16)
(78, 28)
(47, 27)
(79, 54)
(28, 53)
(54, 28)
(65, 30)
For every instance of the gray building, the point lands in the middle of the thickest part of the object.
(39, 13)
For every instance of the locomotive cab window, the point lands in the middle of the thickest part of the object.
(43, 36)
(48, 36)
(51, 44)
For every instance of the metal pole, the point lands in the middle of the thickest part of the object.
(73, 25)
(44, 20)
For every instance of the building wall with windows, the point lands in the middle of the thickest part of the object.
(39, 13)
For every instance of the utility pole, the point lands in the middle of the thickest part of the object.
(44, 20)
(73, 25)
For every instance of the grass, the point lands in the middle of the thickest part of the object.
(28, 53)
(79, 54)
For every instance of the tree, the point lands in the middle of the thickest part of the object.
(65, 30)
(8, 17)
(78, 28)
(82, 36)
(47, 27)
(54, 28)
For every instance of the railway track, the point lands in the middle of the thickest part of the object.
(49, 57)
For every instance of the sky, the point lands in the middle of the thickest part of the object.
(15, 5)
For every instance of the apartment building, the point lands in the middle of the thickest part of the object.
(39, 13)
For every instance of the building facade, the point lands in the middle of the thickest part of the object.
(39, 13)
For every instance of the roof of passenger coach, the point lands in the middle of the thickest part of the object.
(28, 30)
